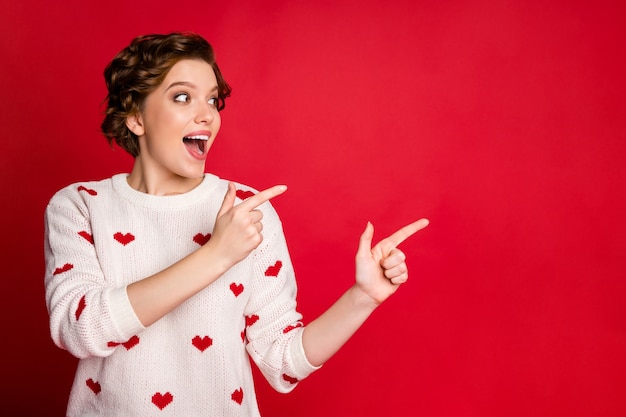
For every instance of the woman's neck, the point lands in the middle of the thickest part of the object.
(158, 183)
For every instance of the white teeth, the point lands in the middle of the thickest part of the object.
(200, 137)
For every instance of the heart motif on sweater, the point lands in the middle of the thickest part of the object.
(87, 236)
(94, 386)
(81, 306)
(124, 239)
(202, 343)
(243, 194)
(250, 320)
(236, 288)
(292, 327)
(292, 380)
(87, 190)
(129, 344)
(162, 400)
(273, 270)
(62, 269)
(201, 239)
(237, 396)
(132, 342)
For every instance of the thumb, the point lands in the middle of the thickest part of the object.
(229, 200)
(365, 242)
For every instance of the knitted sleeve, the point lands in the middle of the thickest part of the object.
(88, 314)
(274, 327)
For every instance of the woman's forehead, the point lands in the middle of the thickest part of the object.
(196, 72)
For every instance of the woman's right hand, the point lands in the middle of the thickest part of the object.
(238, 228)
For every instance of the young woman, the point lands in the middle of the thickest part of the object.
(165, 281)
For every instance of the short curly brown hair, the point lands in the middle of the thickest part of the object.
(139, 69)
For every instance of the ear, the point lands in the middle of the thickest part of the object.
(135, 124)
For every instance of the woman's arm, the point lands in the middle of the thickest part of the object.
(379, 272)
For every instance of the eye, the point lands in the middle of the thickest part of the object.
(181, 98)
(213, 101)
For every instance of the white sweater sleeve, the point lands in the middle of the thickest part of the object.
(89, 316)
(274, 327)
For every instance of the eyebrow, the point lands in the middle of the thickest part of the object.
(186, 84)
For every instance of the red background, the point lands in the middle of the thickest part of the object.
(501, 121)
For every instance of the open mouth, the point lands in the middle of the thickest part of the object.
(196, 143)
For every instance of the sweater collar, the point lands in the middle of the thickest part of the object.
(208, 185)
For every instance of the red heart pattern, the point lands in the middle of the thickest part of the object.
(87, 236)
(201, 239)
(81, 306)
(94, 386)
(273, 270)
(202, 343)
(62, 269)
(243, 194)
(237, 396)
(250, 320)
(162, 400)
(236, 288)
(87, 190)
(124, 239)
(129, 344)
(292, 327)
(292, 380)
(132, 342)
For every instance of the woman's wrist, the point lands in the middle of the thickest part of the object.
(361, 300)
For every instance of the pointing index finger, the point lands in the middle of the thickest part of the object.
(256, 200)
(407, 231)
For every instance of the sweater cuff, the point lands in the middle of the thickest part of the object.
(299, 361)
(123, 316)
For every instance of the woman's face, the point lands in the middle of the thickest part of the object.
(178, 123)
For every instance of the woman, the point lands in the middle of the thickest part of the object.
(164, 280)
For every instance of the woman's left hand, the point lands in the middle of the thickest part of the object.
(381, 269)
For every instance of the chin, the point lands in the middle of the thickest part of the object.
(190, 176)
(193, 173)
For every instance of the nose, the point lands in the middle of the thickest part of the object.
(205, 113)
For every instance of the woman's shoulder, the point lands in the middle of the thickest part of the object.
(243, 192)
(81, 190)
(215, 179)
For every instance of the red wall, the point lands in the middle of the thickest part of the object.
(501, 121)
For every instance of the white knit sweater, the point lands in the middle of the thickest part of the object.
(100, 237)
